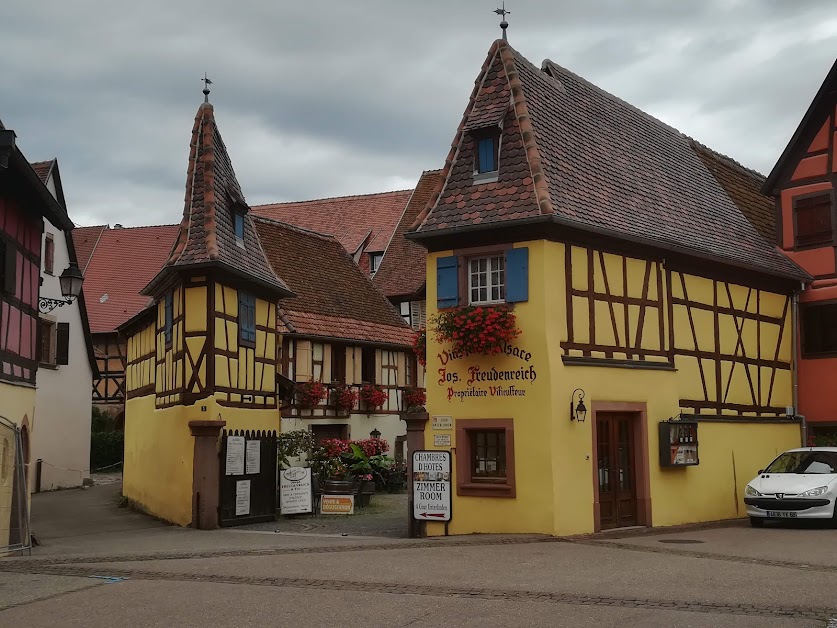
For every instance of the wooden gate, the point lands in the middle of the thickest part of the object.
(248, 477)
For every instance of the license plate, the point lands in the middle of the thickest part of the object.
(781, 514)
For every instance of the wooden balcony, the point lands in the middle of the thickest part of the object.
(327, 409)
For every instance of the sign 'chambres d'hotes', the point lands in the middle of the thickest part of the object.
(431, 485)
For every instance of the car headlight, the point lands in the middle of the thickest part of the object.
(814, 492)
(751, 492)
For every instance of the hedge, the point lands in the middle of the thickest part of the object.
(106, 448)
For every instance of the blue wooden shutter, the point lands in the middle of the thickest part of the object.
(517, 275)
(247, 316)
(447, 282)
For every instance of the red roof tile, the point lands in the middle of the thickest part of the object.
(42, 169)
(365, 222)
(85, 240)
(213, 195)
(597, 164)
(122, 263)
(402, 270)
(334, 298)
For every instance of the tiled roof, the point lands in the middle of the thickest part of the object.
(85, 240)
(123, 262)
(590, 160)
(334, 298)
(207, 232)
(402, 271)
(43, 168)
(744, 187)
(364, 222)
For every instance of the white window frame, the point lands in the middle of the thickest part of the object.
(373, 267)
(494, 279)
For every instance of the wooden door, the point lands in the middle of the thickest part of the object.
(616, 470)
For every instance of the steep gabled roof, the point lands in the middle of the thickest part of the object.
(743, 186)
(366, 219)
(43, 168)
(121, 265)
(597, 164)
(820, 107)
(206, 237)
(402, 270)
(334, 298)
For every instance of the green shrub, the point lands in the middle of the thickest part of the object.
(106, 448)
(101, 421)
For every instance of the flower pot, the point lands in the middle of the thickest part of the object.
(334, 486)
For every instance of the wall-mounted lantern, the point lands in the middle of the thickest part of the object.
(375, 433)
(578, 411)
(70, 280)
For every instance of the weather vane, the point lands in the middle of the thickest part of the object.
(206, 84)
(503, 13)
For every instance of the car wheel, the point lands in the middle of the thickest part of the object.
(757, 522)
(834, 518)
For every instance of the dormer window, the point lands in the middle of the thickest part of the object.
(487, 154)
(238, 219)
(375, 262)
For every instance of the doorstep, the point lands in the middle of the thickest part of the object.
(636, 531)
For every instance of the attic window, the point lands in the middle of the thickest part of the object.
(487, 154)
(238, 218)
(375, 262)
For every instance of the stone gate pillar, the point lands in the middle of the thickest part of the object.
(206, 474)
(416, 424)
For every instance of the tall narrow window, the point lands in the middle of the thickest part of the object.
(169, 306)
(317, 361)
(486, 280)
(375, 262)
(367, 365)
(247, 318)
(46, 332)
(338, 363)
(487, 154)
(289, 358)
(389, 368)
(819, 329)
(239, 226)
(49, 254)
(404, 310)
(813, 220)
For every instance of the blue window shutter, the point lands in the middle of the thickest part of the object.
(447, 282)
(517, 275)
(247, 316)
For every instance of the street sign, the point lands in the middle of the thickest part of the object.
(431, 485)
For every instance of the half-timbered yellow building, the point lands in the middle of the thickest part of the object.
(206, 347)
(652, 376)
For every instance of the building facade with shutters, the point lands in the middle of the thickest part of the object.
(652, 374)
(66, 363)
(803, 184)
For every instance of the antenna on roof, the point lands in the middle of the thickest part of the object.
(504, 24)
(206, 84)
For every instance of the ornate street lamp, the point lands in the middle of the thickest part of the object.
(70, 280)
(375, 433)
(578, 412)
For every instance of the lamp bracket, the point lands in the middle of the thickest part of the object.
(46, 305)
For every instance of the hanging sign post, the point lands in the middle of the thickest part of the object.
(431, 485)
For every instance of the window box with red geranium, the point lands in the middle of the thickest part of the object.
(420, 346)
(373, 396)
(414, 398)
(310, 394)
(344, 399)
(477, 329)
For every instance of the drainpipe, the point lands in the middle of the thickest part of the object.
(795, 366)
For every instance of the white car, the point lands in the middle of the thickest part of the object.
(799, 484)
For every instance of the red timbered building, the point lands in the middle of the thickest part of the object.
(803, 184)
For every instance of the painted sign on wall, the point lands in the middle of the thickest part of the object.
(466, 376)
(431, 485)
(295, 490)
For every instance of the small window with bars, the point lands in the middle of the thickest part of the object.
(486, 280)
(488, 456)
(247, 319)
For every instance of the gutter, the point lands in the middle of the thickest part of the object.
(795, 349)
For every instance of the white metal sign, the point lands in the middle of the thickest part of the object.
(295, 490)
(431, 485)
(442, 423)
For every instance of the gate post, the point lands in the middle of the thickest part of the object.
(206, 469)
(415, 441)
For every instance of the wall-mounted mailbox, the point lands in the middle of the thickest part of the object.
(679, 444)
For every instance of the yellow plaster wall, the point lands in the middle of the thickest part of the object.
(16, 404)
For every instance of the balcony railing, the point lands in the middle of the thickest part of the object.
(328, 409)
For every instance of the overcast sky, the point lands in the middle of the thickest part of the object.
(317, 98)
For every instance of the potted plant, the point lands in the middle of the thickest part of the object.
(310, 394)
(369, 466)
(476, 329)
(327, 462)
(413, 398)
(373, 396)
(344, 398)
(420, 346)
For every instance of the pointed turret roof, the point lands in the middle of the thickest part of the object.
(206, 237)
(574, 157)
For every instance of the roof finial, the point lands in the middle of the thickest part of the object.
(504, 24)
(206, 84)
